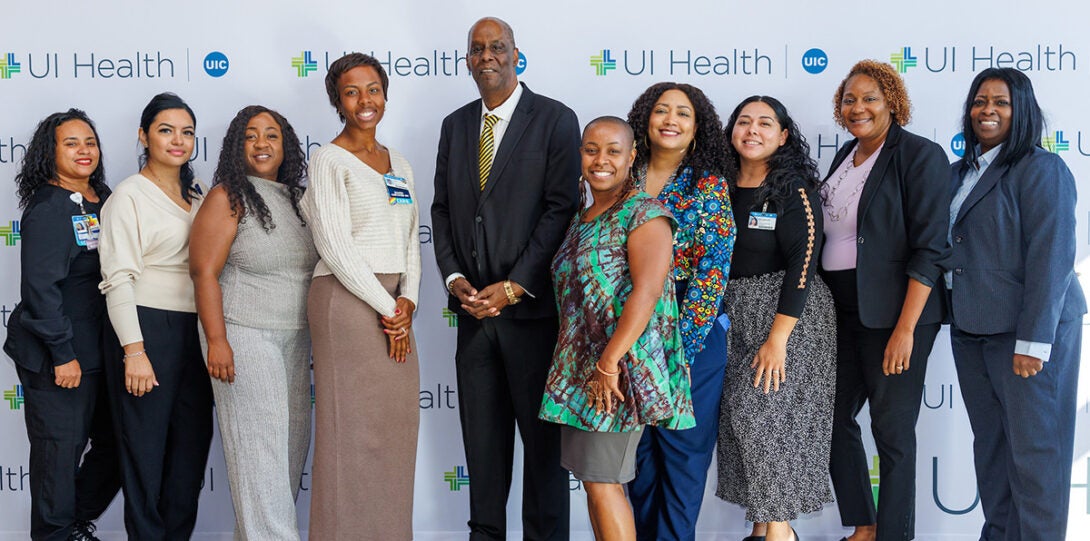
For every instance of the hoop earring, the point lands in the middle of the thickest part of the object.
(692, 146)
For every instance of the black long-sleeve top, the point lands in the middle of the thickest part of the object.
(792, 247)
(62, 315)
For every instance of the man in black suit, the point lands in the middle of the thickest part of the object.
(506, 187)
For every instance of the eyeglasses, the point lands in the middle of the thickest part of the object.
(497, 49)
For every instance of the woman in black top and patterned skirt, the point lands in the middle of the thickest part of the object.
(774, 430)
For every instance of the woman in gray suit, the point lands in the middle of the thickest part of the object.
(1017, 308)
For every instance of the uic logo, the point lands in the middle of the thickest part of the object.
(520, 64)
(8, 66)
(304, 64)
(456, 478)
(1056, 143)
(10, 233)
(603, 62)
(957, 144)
(903, 59)
(216, 64)
(815, 61)
(14, 397)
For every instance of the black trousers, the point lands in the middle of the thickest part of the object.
(59, 423)
(894, 408)
(502, 365)
(164, 435)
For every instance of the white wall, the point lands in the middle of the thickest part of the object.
(110, 57)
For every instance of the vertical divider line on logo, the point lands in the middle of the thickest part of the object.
(187, 64)
(784, 60)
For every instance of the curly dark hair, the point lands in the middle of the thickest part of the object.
(345, 63)
(163, 102)
(790, 163)
(231, 168)
(891, 84)
(707, 155)
(39, 165)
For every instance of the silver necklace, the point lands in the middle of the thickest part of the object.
(836, 214)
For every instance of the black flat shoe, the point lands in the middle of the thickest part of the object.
(754, 538)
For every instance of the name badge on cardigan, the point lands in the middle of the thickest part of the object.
(86, 229)
(765, 221)
(397, 189)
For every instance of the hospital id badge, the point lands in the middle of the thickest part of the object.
(86, 229)
(397, 189)
(764, 221)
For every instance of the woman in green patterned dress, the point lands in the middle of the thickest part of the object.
(619, 362)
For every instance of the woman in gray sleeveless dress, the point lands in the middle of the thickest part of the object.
(251, 257)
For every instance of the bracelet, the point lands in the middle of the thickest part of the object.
(450, 286)
(511, 298)
(131, 355)
(605, 373)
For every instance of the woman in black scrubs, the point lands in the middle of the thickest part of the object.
(59, 333)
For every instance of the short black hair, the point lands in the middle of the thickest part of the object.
(349, 61)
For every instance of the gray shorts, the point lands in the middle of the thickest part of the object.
(599, 457)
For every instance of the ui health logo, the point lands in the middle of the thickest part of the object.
(216, 64)
(9, 66)
(304, 64)
(451, 317)
(1055, 143)
(14, 397)
(9, 234)
(603, 62)
(456, 478)
(814, 61)
(874, 478)
(903, 59)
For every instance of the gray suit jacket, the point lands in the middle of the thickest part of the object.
(1013, 250)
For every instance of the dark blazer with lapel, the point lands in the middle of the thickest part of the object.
(56, 320)
(902, 223)
(512, 229)
(1013, 253)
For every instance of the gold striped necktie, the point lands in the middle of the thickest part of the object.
(484, 158)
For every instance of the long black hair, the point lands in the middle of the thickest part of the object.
(39, 165)
(708, 141)
(231, 169)
(1027, 120)
(789, 165)
(163, 102)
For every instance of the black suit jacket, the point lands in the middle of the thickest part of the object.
(61, 316)
(903, 216)
(512, 229)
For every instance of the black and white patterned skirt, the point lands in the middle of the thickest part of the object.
(774, 448)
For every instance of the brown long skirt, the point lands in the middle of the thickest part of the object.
(367, 415)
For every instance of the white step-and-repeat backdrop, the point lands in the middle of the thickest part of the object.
(110, 57)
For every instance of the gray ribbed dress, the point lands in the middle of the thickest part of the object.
(264, 417)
